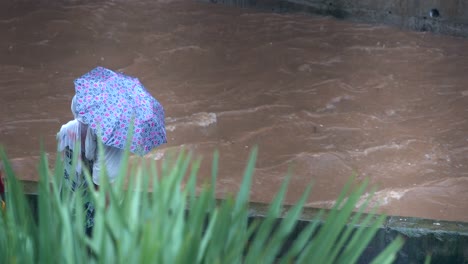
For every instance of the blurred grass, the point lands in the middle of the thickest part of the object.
(134, 226)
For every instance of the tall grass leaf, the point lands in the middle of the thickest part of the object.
(190, 187)
(207, 237)
(388, 255)
(123, 171)
(349, 230)
(427, 260)
(362, 235)
(244, 192)
(361, 238)
(45, 211)
(309, 252)
(214, 168)
(19, 217)
(15, 199)
(265, 228)
(334, 227)
(302, 239)
(135, 202)
(286, 226)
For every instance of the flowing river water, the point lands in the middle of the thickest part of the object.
(324, 97)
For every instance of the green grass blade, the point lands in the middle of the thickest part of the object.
(244, 192)
(388, 255)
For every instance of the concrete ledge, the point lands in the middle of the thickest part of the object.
(438, 16)
(445, 241)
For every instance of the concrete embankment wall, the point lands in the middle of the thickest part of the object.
(439, 16)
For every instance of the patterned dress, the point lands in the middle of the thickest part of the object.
(77, 184)
(74, 180)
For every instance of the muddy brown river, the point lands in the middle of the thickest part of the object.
(324, 97)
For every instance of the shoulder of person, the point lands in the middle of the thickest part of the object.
(73, 124)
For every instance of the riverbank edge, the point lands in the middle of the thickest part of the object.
(440, 17)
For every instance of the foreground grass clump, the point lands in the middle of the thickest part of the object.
(137, 227)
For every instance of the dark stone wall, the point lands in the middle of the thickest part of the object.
(447, 16)
(438, 16)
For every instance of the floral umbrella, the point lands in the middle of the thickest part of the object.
(108, 101)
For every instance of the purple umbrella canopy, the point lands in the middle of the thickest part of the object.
(108, 101)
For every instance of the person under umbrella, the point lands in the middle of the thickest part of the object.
(73, 137)
(109, 102)
(105, 105)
